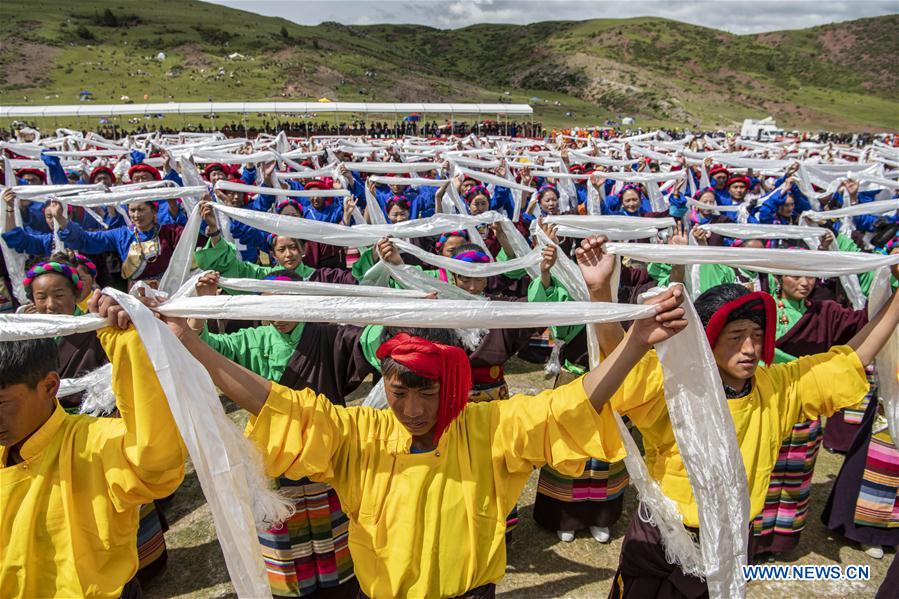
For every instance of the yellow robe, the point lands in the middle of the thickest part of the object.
(813, 386)
(430, 524)
(70, 509)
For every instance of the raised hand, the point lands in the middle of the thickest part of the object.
(596, 265)
(208, 283)
(349, 203)
(701, 236)
(268, 171)
(678, 234)
(551, 230)
(208, 214)
(668, 321)
(109, 309)
(550, 253)
(388, 252)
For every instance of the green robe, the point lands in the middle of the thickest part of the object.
(264, 350)
(223, 258)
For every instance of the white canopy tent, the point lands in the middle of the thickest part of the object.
(99, 110)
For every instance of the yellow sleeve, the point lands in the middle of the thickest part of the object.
(141, 451)
(300, 433)
(641, 397)
(558, 427)
(818, 385)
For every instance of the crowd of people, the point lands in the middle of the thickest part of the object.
(414, 493)
(406, 126)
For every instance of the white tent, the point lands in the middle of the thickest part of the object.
(99, 110)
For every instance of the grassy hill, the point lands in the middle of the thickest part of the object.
(841, 76)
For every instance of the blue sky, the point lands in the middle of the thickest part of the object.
(736, 16)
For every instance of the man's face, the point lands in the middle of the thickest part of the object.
(230, 198)
(786, 209)
(738, 191)
(103, 178)
(738, 350)
(720, 179)
(142, 177)
(416, 409)
(31, 179)
(23, 410)
(216, 175)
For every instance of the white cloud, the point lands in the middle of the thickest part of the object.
(737, 16)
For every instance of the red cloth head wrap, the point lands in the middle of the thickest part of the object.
(720, 318)
(434, 361)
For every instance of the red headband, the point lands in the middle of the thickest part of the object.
(434, 361)
(717, 169)
(719, 320)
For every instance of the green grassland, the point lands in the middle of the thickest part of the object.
(841, 76)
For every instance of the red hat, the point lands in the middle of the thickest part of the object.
(147, 169)
(32, 171)
(314, 184)
(718, 168)
(99, 171)
(434, 361)
(738, 179)
(577, 169)
(216, 166)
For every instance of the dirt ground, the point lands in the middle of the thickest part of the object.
(539, 565)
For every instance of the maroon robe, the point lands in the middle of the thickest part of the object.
(329, 360)
(495, 349)
(319, 255)
(79, 354)
(824, 324)
(333, 275)
(168, 239)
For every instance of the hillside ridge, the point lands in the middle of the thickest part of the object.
(841, 76)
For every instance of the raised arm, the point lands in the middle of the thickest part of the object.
(242, 386)
(145, 457)
(597, 268)
(869, 341)
(601, 382)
